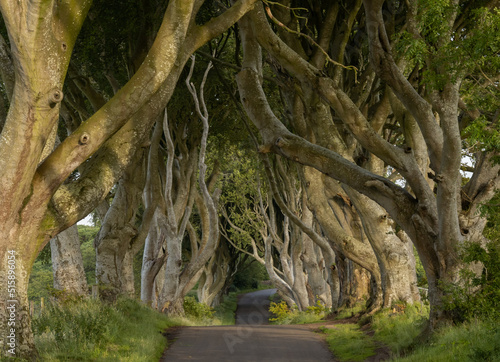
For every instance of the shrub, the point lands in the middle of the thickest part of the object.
(317, 309)
(280, 311)
(197, 310)
(282, 314)
(476, 295)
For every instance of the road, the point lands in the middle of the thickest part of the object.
(251, 339)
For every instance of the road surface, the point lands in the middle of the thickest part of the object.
(251, 339)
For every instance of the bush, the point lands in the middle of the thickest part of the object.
(471, 341)
(280, 311)
(249, 276)
(285, 315)
(476, 296)
(196, 310)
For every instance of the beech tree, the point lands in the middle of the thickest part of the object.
(36, 202)
(427, 82)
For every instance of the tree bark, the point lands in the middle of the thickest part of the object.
(67, 263)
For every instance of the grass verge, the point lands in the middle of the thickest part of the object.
(348, 342)
(89, 330)
(472, 341)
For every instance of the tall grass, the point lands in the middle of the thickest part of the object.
(348, 312)
(349, 343)
(399, 330)
(89, 330)
(471, 341)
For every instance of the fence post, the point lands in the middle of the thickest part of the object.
(95, 291)
(32, 307)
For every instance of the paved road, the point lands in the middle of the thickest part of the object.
(249, 340)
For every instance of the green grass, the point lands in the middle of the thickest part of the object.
(91, 331)
(399, 330)
(225, 311)
(474, 341)
(348, 343)
(345, 312)
(471, 341)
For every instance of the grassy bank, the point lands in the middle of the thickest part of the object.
(396, 333)
(92, 331)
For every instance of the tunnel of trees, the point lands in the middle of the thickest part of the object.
(337, 143)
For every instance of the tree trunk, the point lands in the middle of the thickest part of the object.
(392, 254)
(67, 263)
(15, 321)
(117, 233)
(128, 279)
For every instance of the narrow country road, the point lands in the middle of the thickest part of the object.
(251, 339)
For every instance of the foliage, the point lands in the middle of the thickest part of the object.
(196, 310)
(476, 341)
(476, 295)
(249, 275)
(41, 281)
(87, 233)
(225, 311)
(280, 310)
(348, 342)
(282, 314)
(348, 312)
(89, 330)
(470, 341)
(318, 309)
(88, 252)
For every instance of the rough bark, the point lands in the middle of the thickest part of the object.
(67, 263)
(117, 234)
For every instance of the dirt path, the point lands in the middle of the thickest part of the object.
(249, 340)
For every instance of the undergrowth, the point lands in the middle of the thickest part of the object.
(88, 330)
(470, 341)
(349, 343)
(399, 330)
(282, 314)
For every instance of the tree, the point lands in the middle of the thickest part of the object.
(36, 202)
(429, 212)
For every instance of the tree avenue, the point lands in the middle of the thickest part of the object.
(326, 143)
(36, 203)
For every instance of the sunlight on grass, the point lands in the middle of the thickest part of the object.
(476, 341)
(348, 343)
